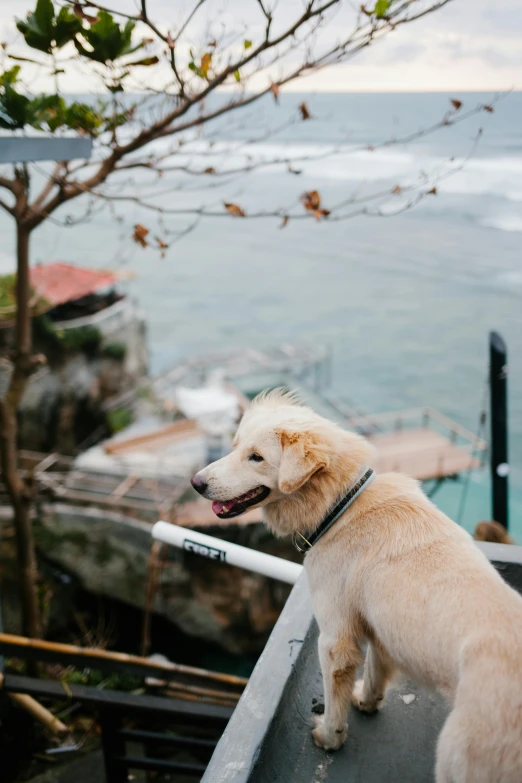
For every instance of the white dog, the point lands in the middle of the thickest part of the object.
(393, 572)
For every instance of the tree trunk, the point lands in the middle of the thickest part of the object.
(20, 490)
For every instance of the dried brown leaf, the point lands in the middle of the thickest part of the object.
(321, 213)
(456, 103)
(209, 170)
(488, 108)
(311, 200)
(139, 234)
(163, 246)
(303, 108)
(284, 221)
(79, 12)
(234, 210)
(274, 89)
(432, 192)
(397, 190)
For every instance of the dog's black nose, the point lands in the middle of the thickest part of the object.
(199, 484)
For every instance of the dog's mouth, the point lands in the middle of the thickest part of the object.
(226, 509)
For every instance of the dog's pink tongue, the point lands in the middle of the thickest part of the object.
(217, 506)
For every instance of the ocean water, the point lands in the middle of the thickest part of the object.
(405, 302)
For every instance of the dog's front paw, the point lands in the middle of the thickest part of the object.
(326, 739)
(361, 704)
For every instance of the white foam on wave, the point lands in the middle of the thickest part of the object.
(498, 177)
(503, 222)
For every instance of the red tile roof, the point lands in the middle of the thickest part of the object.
(58, 282)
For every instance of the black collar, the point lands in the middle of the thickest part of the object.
(303, 544)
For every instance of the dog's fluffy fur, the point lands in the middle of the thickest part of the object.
(393, 572)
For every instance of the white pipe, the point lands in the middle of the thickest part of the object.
(233, 554)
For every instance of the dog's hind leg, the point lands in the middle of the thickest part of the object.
(339, 661)
(368, 693)
(452, 762)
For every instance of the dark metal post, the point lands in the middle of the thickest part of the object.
(2, 659)
(113, 746)
(499, 434)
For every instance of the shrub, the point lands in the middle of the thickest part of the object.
(118, 419)
(114, 351)
(83, 338)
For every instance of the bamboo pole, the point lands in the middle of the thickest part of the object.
(173, 693)
(37, 710)
(97, 654)
(193, 690)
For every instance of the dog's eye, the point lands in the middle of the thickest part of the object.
(255, 457)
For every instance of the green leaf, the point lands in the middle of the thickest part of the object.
(126, 38)
(82, 117)
(13, 108)
(7, 78)
(146, 61)
(381, 6)
(67, 27)
(38, 27)
(247, 44)
(193, 67)
(44, 16)
(116, 120)
(13, 105)
(237, 76)
(47, 111)
(107, 40)
(44, 32)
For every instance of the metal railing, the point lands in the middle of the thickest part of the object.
(107, 320)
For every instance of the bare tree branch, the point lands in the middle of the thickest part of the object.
(168, 124)
(7, 208)
(8, 184)
(187, 20)
(48, 187)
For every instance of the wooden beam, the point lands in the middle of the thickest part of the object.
(68, 654)
(152, 440)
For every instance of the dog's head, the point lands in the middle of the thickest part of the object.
(284, 456)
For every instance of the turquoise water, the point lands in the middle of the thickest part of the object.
(405, 303)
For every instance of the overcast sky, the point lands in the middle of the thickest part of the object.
(468, 45)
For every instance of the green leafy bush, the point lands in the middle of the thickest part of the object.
(82, 338)
(114, 350)
(118, 419)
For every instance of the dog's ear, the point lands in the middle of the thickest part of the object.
(302, 456)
